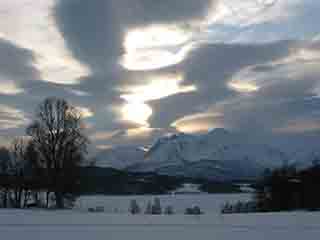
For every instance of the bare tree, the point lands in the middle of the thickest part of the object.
(17, 171)
(34, 181)
(57, 135)
(5, 159)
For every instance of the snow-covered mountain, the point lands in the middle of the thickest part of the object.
(120, 157)
(219, 155)
(219, 145)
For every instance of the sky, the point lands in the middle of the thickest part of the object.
(140, 69)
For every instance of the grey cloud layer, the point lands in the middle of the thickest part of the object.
(15, 62)
(94, 32)
(209, 67)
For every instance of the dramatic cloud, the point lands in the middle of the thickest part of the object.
(15, 64)
(30, 24)
(211, 69)
(141, 69)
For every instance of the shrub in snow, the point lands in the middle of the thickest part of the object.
(193, 211)
(169, 210)
(116, 210)
(188, 211)
(96, 209)
(240, 207)
(149, 208)
(156, 207)
(227, 208)
(134, 207)
(91, 210)
(32, 205)
(197, 210)
(69, 201)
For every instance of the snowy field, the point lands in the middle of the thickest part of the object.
(80, 225)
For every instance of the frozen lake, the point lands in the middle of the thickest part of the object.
(80, 225)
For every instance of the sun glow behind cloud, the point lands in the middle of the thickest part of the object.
(157, 88)
(137, 110)
(152, 47)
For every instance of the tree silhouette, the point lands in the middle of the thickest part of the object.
(4, 168)
(56, 134)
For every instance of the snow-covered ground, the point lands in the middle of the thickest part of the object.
(80, 225)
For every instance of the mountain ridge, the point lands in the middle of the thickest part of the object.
(218, 155)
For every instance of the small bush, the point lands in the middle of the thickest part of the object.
(193, 211)
(156, 207)
(169, 210)
(149, 208)
(134, 207)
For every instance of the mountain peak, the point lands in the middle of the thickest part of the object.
(219, 154)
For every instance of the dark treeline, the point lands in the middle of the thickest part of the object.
(289, 189)
(108, 181)
(24, 183)
(41, 169)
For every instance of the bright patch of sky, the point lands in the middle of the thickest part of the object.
(199, 122)
(137, 110)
